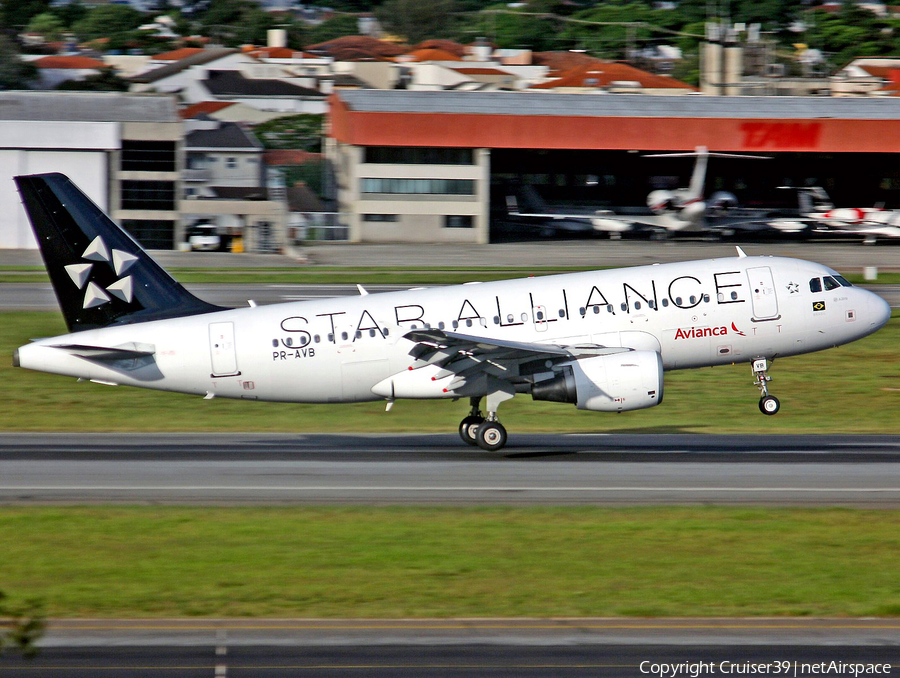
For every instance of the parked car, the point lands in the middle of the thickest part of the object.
(204, 238)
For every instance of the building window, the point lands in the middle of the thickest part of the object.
(459, 221)
(148, 195)
(152, 234)
(380, 217)
(148, 156)
(230, 163)
(419, 186)
(419, 156)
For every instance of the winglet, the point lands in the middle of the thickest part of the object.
(741, 253)
(362, 290)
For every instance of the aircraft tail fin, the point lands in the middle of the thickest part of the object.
(814, 199)
(100, 275)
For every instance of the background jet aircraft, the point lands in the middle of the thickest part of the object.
(600, 340)
(870, 222)
(681, 209)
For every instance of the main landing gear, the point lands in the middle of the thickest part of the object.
(768, 404)
(485, 432)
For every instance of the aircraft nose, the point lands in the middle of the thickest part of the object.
(879, 311)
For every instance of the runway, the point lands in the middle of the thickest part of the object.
(560, 648)
(536, 469)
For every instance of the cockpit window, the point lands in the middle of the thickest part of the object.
(830, 283)
(815, 285)
(843, 281)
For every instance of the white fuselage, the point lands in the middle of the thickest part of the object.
(694, 314)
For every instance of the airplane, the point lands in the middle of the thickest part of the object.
(870, 222)
(599, 340)
(678, 210)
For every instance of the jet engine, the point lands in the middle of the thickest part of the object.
(608, 383)
(661, 202)
(721, 201)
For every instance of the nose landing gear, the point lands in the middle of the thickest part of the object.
(768, 404)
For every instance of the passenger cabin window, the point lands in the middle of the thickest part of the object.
(815, 285)
(830, 283)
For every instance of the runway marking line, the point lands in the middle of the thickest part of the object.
(565, 626)
(389, 488)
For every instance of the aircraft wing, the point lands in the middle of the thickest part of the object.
(468, 356)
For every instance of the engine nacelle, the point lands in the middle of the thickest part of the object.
(722, 201)
(608, 383)
(661, 202)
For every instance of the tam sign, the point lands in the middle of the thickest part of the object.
(781, 135)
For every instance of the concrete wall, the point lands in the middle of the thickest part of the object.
(419, 217)
(81, 150)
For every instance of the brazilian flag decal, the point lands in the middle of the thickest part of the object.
(818, 305)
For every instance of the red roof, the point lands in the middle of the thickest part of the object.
(278, 156)
(357, 47)
(453, 48)
(203, 108)
(432, 55)
(605, 73)
(560, 62)
(178, 54)
(480, 71)
(76, 62)
(274, 53)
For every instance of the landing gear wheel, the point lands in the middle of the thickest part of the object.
(468, 429)
(491, 436)
(769, 405)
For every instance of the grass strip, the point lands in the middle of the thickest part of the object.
(850, 389)
(396, 562)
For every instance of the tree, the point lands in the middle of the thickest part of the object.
(16, 14)
(237, 22)
(23, 625)
(416, 20)
(511, 29)
(336, 27)
(14, 73)
(70, 13)
(108, 21)
(48, 25)
(303, 131)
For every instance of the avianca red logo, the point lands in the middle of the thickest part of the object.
(700, 332)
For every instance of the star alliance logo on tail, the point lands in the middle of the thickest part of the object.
(94, 294)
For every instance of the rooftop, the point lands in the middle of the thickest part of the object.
(620, 105)
(204, 56)
(228, 135)
(75, 62)
(233, 83)
(87, 107)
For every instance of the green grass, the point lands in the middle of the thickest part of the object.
(851, 389)
(448, 562)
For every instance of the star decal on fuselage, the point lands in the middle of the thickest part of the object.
(94, 294)
(793, 288)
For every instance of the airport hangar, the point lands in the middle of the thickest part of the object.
(433, 166)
